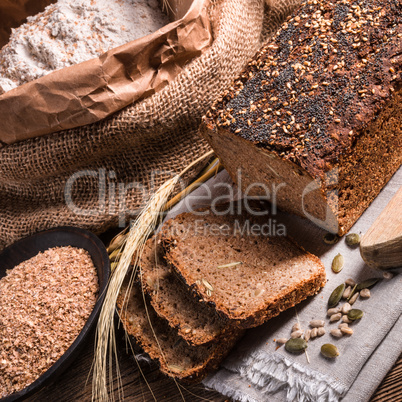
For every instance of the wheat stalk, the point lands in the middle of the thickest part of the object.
(133, 244)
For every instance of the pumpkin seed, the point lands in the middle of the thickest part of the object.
(355, 314)
(354, 298)
(337, 263)
(352, 292)
(335, 317)
(336, 295)
(296, 334)
(331, 238)
(329, 350)
(296, 345)
(317, 323)
(352, 239)
(367, 284)
(365, 293)
(336, 332)
(281, 341)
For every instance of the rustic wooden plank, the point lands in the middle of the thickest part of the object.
(73, 386)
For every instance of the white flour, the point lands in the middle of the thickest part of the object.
(73, 31)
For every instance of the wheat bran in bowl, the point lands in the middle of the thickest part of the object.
(45, 302)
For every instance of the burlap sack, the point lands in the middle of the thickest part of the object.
(98, 175)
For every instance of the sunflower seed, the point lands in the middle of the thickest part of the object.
(346, 320)
(368, 283)
(347, 292)
(259, 292)
(355, 314)
(333, 311)
(365, 293)
(173, 367)
(329, 350)
(337, 263)
(313, 333)
(307, 335)
(335, 317)
(350, 282)
(207, 285)
(336, 332)
(342, 325)
(354, 298)
(387, 275)
(281, 341)
(320, 331)
(296, 327)
(352, 239)
(317, 323)
(296, 345)
(347, 330)
(232, 264)
(336, 295)
(208, 293)
(331, 238)
(296, 334)
(186, 329)
(345, 308)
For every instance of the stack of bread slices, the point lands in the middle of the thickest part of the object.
(204, 279)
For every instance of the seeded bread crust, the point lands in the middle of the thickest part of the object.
(195, 322)
(179, 360)
(274, 275)
(321, 102)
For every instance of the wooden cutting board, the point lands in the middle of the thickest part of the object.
(381, 246)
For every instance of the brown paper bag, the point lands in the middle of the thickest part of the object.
(88, 92)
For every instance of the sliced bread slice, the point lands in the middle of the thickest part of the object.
(228, 262)
(196, 322)
(175, 356)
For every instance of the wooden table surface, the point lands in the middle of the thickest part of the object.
(73, 386)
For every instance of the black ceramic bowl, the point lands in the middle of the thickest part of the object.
(29, 247)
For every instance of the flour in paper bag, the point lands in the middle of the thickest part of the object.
(72, 31)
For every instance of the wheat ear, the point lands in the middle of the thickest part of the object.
(139, 232)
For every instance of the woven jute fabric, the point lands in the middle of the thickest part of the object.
(98, 175)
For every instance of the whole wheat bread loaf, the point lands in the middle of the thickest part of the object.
(318, 111)
(195, 322)
(162, 343)
(229, 262)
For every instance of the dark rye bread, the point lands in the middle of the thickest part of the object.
(321, 102)
(272, 274)
(195, 322)
(175, 357)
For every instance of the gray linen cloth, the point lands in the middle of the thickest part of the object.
(256, 370)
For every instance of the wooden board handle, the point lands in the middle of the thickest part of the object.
(381, 246)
